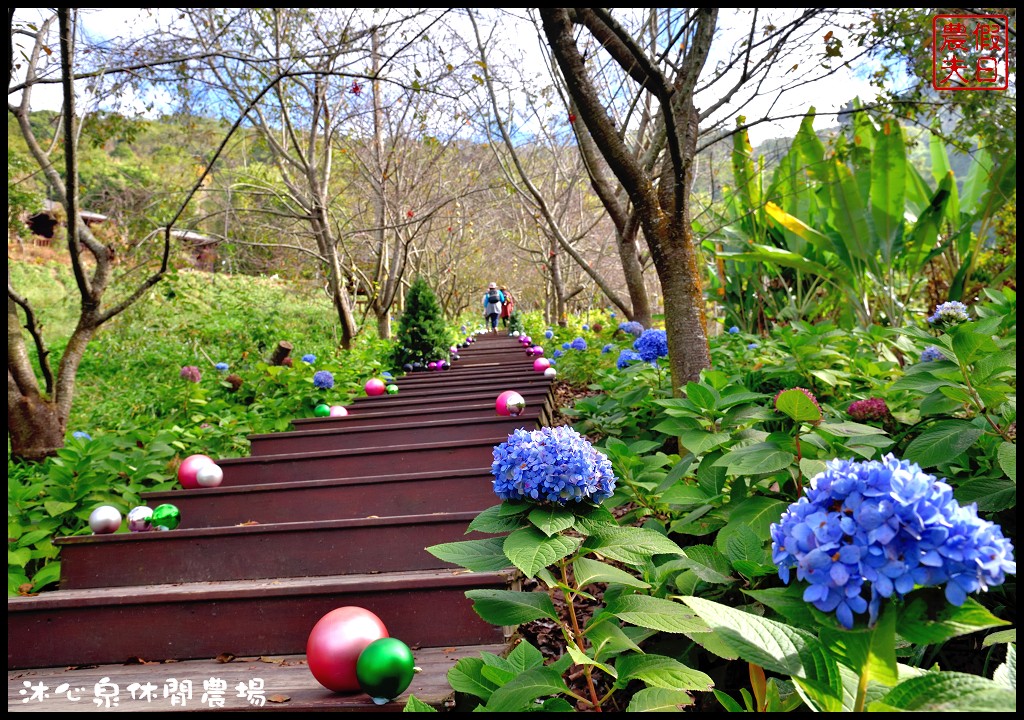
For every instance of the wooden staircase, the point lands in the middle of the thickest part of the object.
(336, 512)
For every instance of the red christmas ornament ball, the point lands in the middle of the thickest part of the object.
(335, 643)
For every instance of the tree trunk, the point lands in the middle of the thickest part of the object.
(282, 351)
(35, 427)
(639, 300)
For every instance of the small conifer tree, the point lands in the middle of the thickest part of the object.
(422, 334)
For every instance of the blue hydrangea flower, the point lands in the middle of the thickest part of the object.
(607, 349)
(549, 334)
(931, 354)
(626, 358)
(309, 359)
(557, 353)
(632, 327)
(753, 346)
(586, 327)
(565, 346)
(869, 530)
(650, 346)
(949, 313)
(734, 330)
(323, 380)
(222, 366)
(81, 435)
(552, 464)
(578, 344)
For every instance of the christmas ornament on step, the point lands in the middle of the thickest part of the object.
(510, 403)
(322, 410)
(392, 389)
(338, 411)
(336, 642)
(385, 669)
(138, 519)
(209, 475)
(188, 469)
(541, 364)
(550, 372)
(104, 520)
(374, 387)
(165, 517)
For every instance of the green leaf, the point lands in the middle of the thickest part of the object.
(581, 658)
(758, 512)
(1000, 636)
(991, 494)
(493, 522)
(50, 573)
(789, 603)
(519, 694)
(686, 494)
(969, 344)
(798, 406)
(656, 614)
(702, 396)
(867, 652)
(709, 564)
(607, 638)
(1007, 456)
(587, 571)
(699, 441)
(552, 519)
(928, 618)
(727, 702)
(659, 700)
(19, 557)
(530, 550)
(755, 459)
(848, 428)
(508, 607)
(55, 507)
(888, 185)
(630, 545)
(467, 677)
(483, 555)
(948, 692)
(776, 647)
(661, 671)
(524, 657)
(942, 442)
(414, 704)
(1006, 674)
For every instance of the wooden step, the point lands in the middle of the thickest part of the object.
(495, 386)
(248, 552)
(255, 683)
(331, 499)
(401, 431)
(383, 460)
(426, 608)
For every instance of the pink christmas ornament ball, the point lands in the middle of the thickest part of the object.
(189, 468)
(541, 364)
(375, 386)
(338, 411)
(335, 643)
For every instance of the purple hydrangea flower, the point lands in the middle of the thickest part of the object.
(868, 409)
(309, 359)
(578, 344)
(190, 373)
(607, 349)
(222, 366)
(949, 313)
(626, 358)
(81, 435)
(552, 464)
(931, 354)
(632, 327)
(870, 530)
(650, 346)
(323, 380)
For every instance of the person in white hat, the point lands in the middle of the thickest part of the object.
(494, 299)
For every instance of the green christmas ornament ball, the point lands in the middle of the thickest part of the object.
(385, 669)
(165, 517)
(392, 389)
(322, 410)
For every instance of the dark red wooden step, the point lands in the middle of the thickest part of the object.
(252, 617)
(249, 552)
(401, 431)
(335, 498)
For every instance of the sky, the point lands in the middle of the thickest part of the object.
(827, 96)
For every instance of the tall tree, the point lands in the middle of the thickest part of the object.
(37, 415)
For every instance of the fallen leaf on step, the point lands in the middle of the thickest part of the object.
(278, 698)
(272, 660)
(224, 657)
(247, 522)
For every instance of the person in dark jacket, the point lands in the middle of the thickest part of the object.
(494, 300)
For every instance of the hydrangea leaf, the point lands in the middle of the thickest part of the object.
(508, 607)
(656, 614)
(588, 571)
(871, 652)
(991, 494)
(777, 648)
(702, 396)
(1000, 636)
(467, 677)
(551, 519)
(800, 408)
(414, 704)
(659, 700)
(581, 658)
(493, 521)
(942, 442)
(848, 428)
(530, 550)
(1007, 455)
(756, 459)
(484, 555)
(709, 564)
(607, 638)
(660, 671)
(928, 618)
(630, 545)
(948, 692)
(1006, 674)
(521, 692)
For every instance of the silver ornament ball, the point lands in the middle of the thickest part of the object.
(138, 519)
(209, 476)
(105, 519)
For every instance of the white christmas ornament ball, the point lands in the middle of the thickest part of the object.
(104, 520)
(209, 475)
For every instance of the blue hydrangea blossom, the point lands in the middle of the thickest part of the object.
(650, 346)
(931, 354)
(222, 366)
(734, 330)
(549, 334)
(309, 359)
(626, 358)
(552, 464)
(323, 380)
(607, 349)
(949, 313)
(632, 327)
(557, 353)
(869, 530)
(81, 435)
(578, 344)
